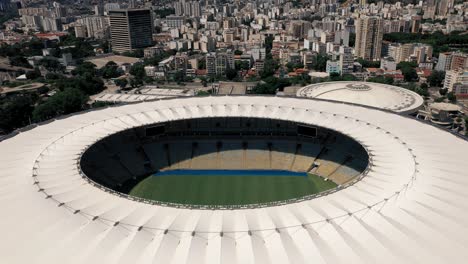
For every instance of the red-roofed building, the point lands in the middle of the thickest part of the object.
(51, 36)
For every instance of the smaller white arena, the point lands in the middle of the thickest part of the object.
(376, 95)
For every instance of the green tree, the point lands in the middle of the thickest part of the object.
(270, 85)
(443, 91)
(321, 63)
(51, 64)
(452, 97)
(65, 102)
(85, 68)
(138, 71)
(15, 111)
(408, 70)
(122, 83)
(381, 79)
(111, 70)
(19, 61)
(31, 75)
(368, 64)
(242, 65)
(134, 82)
(231, 74)
(436, 78)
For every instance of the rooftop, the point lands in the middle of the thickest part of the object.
(377, 95)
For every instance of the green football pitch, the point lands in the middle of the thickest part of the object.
(234, 189)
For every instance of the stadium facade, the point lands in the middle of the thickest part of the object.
(407, 206)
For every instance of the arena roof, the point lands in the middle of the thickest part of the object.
(377, 95)
(408, 208)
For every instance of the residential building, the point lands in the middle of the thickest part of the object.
(346, 62)
(369, 34)
(453, 77)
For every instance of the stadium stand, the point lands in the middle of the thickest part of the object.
(127, 157)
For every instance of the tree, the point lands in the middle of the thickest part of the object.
(15, 111)
(443, 91)
(148, 79)
(66, 102)
(138, 53)
(111, 70)
(242, 65)
(201, 64)
(408, 71)
(436, 78)
(422, 91)
(452, 97)
(238, 52)
(231, 74)
(269, 68)
(134, 82)
(381, 79)
(368, 64)
(85, 67)
(51, 64)
(203, 81)
(88, 84)
(121, 83)
(19, 61)
(138, 71)
(321, 63)
(270, 85)
(31, 75)
(203, 93)
(334, 76)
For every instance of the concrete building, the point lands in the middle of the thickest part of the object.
(452, 61)
(388, 64)
(346, 62)
(211, 64)
(453, 77)
(175, 21)
(130, 29)
(369, 34)
(333, 67)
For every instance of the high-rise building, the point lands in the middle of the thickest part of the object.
(196, 9)
(369, 35)
(218, 63)
(452, 61)
(130, 29)
(99, 8)
(211, 64)
(96, 26)
(415, 24)
(454, 77)
(224, 61)
(346, 60)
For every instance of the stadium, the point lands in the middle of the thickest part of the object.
(234, 179)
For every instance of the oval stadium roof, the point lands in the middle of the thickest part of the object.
(410, 207)
(377, 95)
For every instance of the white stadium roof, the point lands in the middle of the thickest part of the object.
(410, 207)
(377, 95)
